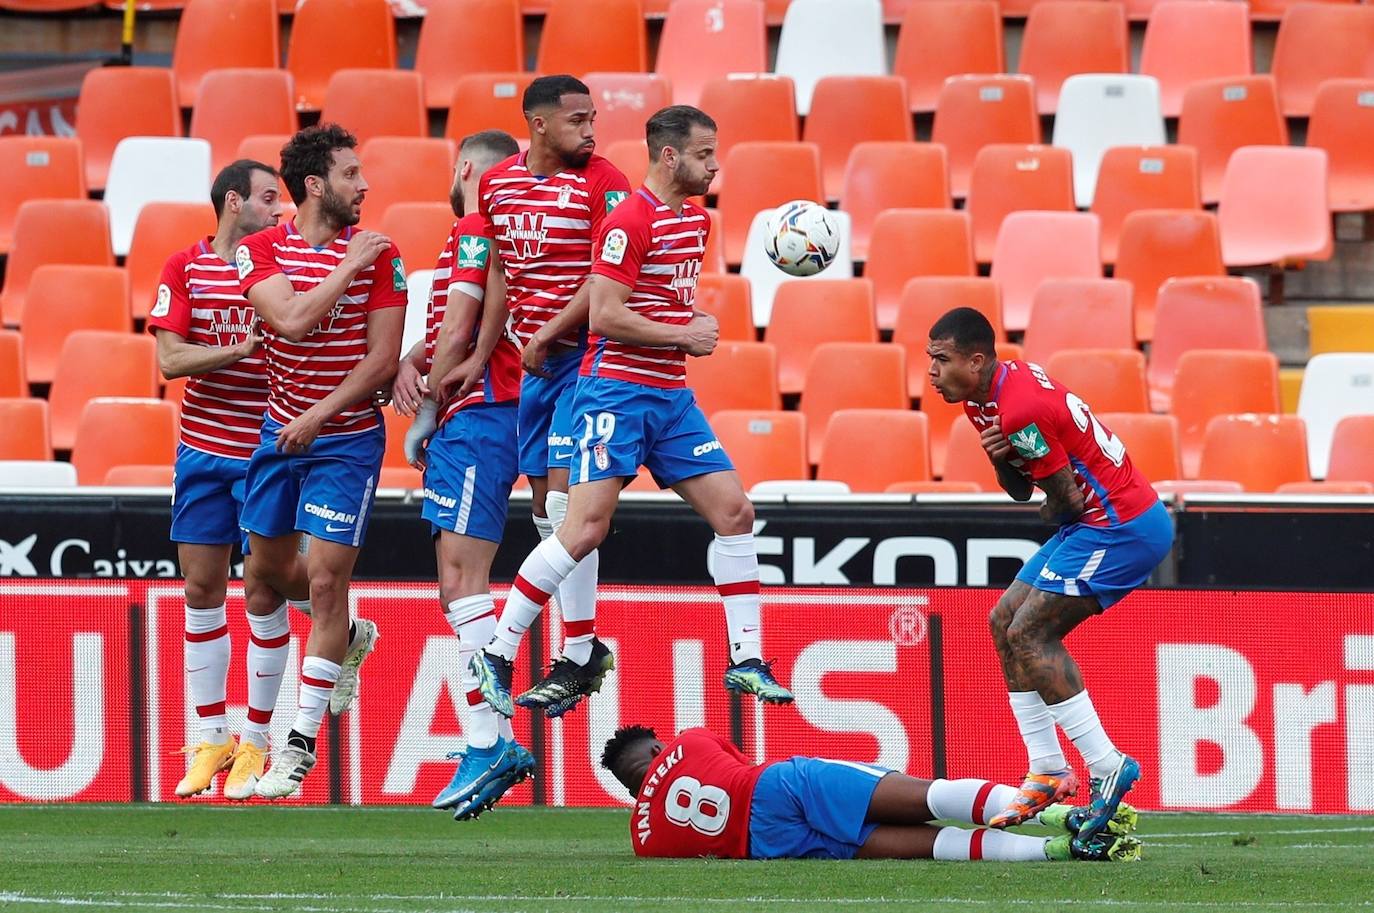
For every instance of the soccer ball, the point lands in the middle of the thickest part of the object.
(802, 238)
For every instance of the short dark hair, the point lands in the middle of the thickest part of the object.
(238, 177)
(968, 329)
(496, 144)
(548, 92)
(311, 151)
(624, 737)
(672, 126)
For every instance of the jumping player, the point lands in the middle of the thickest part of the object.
(699, 796)
(206, 331)
(633, 408)
(333, 299)
(470, 463)
(544, 208)
(1112, 533)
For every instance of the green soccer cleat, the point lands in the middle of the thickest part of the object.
(754, 676)
(1101, 847)
(1070, 818)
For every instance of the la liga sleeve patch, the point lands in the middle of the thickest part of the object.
(163, 306)
(243, 259)
(613, 248)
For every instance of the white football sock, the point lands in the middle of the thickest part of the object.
(958, 844)
(269, 643)
(473, 619)
(577, 592)
(736, 575)
(206, 652)
(544, 569)
(318, 676)
(970, 801)
(1036, 723)
(544, 526)
(300, 605)
(1079, 721)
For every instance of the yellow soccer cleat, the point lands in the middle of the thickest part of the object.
(208, 759)
(249, 763)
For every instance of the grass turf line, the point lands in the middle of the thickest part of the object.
(408, 860)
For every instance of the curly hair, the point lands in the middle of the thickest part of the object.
(311, 151)
(624, 737)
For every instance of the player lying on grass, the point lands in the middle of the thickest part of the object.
(699, 796)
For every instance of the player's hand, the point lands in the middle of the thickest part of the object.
(995, 443)
(252, 342)
(700, 336)
(409, 388)
(364, 248)
(421, 430)
(459, 382)
(301, 432)
(533, 355)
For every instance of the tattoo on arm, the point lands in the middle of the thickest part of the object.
(1063, 500)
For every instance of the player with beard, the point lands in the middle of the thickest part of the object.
(333, 300)
(633, 408)
(467, 418)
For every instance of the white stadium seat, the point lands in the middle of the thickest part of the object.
(1100, 110)
(799, 487)
(830, 38)
(764, 278)
(36, 474)
(1333, 386)
(417, 307)
(149, 169)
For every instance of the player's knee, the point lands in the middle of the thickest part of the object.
(738, 518)
(204, 594)
(1024, 636)
(999, 620)
(328, 593)
(585, 536)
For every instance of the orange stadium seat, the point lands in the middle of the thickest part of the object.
(12, 382)
(63, 299)
(1342, 123)
(869, 449)
(1160, 244)
(887, 175)
(934, 487)
(581, 36)
(944, 38)
(394, 455)
(1108, 380)
(707, 39)
(369, 103)
(1202, 313)
(765, 175)
(405, 170)
(174, 390)
(1007, 178)
(808, 314)
(1261, 452)
(489, 101)
(1035, 246)
(915, 242)
(1317, 42)
(53, 231)
(737, 375)
(462, 37)
(330, 35)
(727, 298)
(713, 261)
(926, 299)
(965, 459)
(850, 375)
(265, 148)
(235, 104)
(942, 418)
(37, 168)
(1068, 314)
(1151, 441)
(45, 6)
(116, 102)
(1273, 207)
(1069, 37)
(1352, 450)
(1326, 488)
(764, 445)
(24, 433)
(420, 230)
(1212, 382)
(631, 156)
(1273, 10)
(1340, 328)
(848, 110)
(1221, 115)
(1188, 41)
(1143, 177)
(140, 475)
(403, 477)
(128, 367)
(162, 230)
(750, 108)
(624, 101)
(220, 35)
(977, 111)
(119, 431)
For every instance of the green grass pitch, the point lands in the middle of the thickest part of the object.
(407, 860)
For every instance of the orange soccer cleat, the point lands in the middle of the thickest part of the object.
(1037, 792)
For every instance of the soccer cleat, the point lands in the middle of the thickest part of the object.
(346, 688)
(493, 680)
(488, 795)
(1099, 848)
(754, 676)
(207, 759)
(568, 682)
(1070, 818)
(283, 778)
(1037, 792)
(246, 771)
(478, 767)
(1106, 794)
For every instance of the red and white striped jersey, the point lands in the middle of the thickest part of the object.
(658, 254)
(301, 374)
(466, 258)
(198, 299)
(544, 227)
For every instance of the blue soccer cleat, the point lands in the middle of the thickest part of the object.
(520, 767)
(479, 768)
(1107, 794)
(493, 680)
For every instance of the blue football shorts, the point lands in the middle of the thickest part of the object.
(326, 492)
(546, 419)
(623, 425)
(812, 808)
(207, 497)
(470, 466)
(1105, 562)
